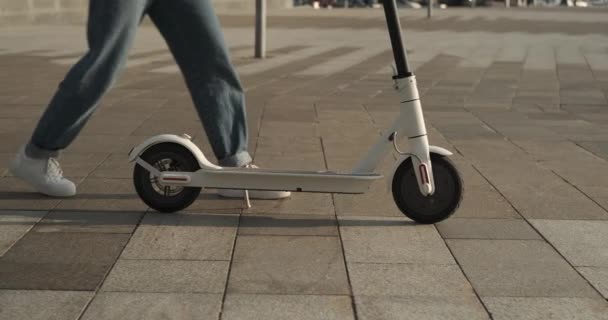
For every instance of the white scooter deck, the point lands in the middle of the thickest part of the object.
(264, 179)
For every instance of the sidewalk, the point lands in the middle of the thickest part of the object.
(523, 104)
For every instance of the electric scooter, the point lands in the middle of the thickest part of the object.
(171, 170)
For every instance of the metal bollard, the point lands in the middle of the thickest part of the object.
(429, 12)
(260, 29)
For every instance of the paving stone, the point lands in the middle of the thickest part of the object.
(109, 194)
(183, 237)
(14, 225)
(476, 151)
(131, 108)
(603, 202)
(305, 115)
(17, 195)
(546, 308)
(111, 125)
(595, 99)
(16, 125)
(346, 141)
(271, 307)
(269, 129)
(169, 276)
(288, 265)
(152, 126)
(524, 268)
(104, 144)
(419, 307)
(23, 111)
(60, 261)
(297, 161)
(595, 192)
(554, 151)
(404, 280)
(465, 228)
(469, 174)
(577, 174)
(484, 202)
(598, 277)
(392, 240)
(599, 148)
(288, 225)
(131, 306)
(546, 201)
(43, 305)
(583, 243)
(89, 221)
(352, 115)
(284, 145)
(115, 166)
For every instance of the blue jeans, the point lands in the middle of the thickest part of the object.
(192, 31)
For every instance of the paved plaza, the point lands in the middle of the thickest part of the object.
(520, 96)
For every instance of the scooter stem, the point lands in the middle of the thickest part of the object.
(414, 128)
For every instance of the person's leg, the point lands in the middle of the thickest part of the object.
(193, 33)
(111, 29)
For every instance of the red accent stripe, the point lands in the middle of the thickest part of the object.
(424, 174)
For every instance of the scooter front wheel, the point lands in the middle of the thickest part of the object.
(433, 208)
(166, 157)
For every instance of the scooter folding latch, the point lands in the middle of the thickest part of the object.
(393, 138)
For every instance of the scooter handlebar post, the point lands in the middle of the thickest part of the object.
(394, 30)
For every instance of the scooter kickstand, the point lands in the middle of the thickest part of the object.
(246, 199)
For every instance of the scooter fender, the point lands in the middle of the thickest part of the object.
(432, 149)
(172, 138)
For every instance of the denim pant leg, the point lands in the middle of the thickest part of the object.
(111, 30)
(193, 33)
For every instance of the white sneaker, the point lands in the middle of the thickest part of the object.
(253, 194)
(44, 175)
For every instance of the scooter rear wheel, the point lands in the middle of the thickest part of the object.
(166, 157)
(436, 207)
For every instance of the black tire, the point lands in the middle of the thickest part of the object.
(428, 209)
(177, 158)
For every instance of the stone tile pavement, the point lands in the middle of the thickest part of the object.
(519, 95)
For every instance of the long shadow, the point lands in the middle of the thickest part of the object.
(86, 196)
(19, 195)
(94, 218)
